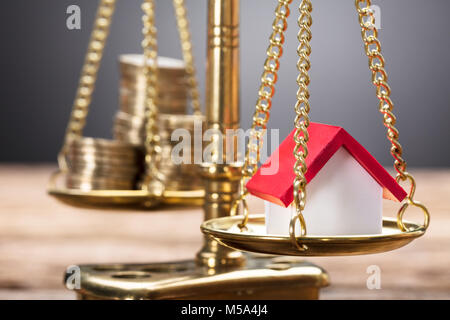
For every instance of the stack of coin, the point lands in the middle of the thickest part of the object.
(172, 88)
(129, 125)
(99, 164)
(181, 147)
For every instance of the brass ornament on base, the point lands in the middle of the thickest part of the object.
(263, 278)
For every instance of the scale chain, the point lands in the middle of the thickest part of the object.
(186, 47)
(301, 122)
(372, 47)
(88, 77)
(261, 115)
(152, 139)
(263, 106)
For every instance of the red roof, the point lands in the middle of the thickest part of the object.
(324, 141)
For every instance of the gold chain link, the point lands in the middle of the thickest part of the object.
(186, 46)
(88, 77)
(263, 104)
(152, 139)
(372, 46)
(301, 122)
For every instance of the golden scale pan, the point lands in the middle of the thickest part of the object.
(121, 199)
(247, 232)
(226, 231)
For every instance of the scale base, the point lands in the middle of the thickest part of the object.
(262, 277)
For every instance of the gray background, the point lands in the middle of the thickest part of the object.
(41, 60)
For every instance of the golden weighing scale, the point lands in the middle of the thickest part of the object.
(221, 270)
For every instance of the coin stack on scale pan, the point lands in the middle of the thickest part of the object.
(177, 165)
(100, 164)
(129, 125)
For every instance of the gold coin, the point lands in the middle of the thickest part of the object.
(102, 145)
(134, 63)
(102, 159)
(104, 171)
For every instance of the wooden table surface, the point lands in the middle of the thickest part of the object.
(40, 237)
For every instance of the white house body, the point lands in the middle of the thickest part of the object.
(345, 188)
(342, 199)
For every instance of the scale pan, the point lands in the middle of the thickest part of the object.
(226, 231)
(105, 199)
(125, 199)
(121, 199)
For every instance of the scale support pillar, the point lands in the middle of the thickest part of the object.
(221, 176)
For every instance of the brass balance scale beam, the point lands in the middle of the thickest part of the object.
(217, 272)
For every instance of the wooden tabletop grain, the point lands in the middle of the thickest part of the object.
(40, 237)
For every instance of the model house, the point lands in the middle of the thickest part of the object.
(346, 185)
